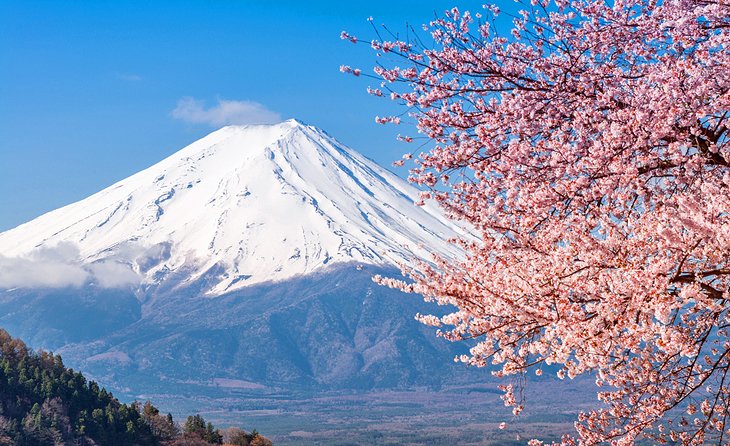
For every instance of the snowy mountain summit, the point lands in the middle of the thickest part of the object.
(245, 205)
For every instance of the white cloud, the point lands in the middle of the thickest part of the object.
(22, 272)
(59, 267)
(113, 274)
(226, 112)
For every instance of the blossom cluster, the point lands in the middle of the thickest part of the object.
(589, 150)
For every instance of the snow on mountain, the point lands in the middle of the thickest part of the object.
(246, 205)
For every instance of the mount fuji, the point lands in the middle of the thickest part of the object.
(244, 205)
(243, 262)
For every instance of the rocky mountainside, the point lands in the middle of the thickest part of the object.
(244, 261)
(241, 206)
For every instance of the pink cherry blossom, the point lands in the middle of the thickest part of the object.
(589, 151)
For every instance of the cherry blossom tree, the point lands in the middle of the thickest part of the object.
(588, 147)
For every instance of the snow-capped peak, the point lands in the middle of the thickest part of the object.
(244, 205)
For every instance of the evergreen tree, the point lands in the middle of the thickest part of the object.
(42, 403)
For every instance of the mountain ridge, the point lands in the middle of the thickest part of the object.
(254, 203)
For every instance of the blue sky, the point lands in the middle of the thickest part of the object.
(88, 88)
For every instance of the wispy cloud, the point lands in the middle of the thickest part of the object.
(59, 267)
(226, 112)
(112, 274)
(129, 77)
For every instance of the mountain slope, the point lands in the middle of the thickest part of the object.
(253, 251)
(245, 205)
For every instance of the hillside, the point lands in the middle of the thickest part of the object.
(44, 403)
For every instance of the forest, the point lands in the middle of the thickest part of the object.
(44, 403)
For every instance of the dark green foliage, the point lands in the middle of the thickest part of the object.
(163, 427)
(195, 426)
(44, 403)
